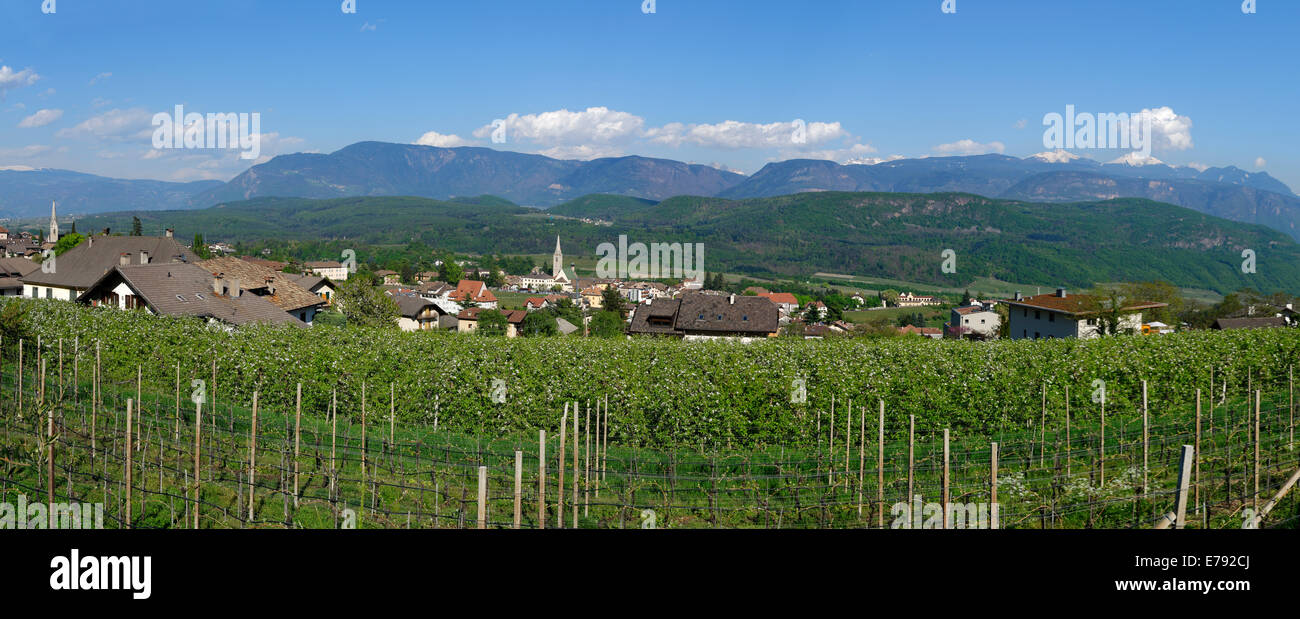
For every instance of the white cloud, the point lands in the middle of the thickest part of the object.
(1171, 131)
(969, 147)
(99, 78)
(369, 27)
(1022, 123)
(10, 79)
(433, 138)
(1136, 159)
(731, 134)
(1260, 162)
(40, 119)
(594, 125)
(114, 125)
(872, 160)
(1198, 166)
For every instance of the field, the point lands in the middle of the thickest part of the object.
(686, 435)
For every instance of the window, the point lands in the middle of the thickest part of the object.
(1025, 310)
(49, 293)
(1051, 317)
(1036, 335)
(1038, 315)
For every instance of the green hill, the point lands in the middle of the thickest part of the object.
(885, 235)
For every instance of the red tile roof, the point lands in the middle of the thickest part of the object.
(781, 298)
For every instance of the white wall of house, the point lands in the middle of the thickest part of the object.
(1029, 323)
(38, 291)
(985, 323)
(338, 274)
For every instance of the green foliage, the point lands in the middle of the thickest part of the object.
(365, 305)
(199, 247)
(607, 324)
(612, 301)
(136, 227)
(492, 323)
(664, 391)
(66, 242)
(539, 323)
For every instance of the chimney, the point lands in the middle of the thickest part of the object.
(1019, 297)
(124, 259)
(217, 284)
(144, 257)
(731, 300)
(270, 285)
(1060, 293)
(90, 241)
(234, 288)
(170, 233)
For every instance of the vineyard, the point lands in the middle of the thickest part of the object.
(171, 424)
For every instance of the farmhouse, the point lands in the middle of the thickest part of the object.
(329, 269)
(182, 289)
(908, 299)
(785, 301)
(12, 270)
(278, 288)
(473, 291)
(1060, 315)
(706, 316)
(975, 321)
(467, 320)
(73, 272)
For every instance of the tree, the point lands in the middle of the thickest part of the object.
(890, 297)
(566, 309)
(607, 324)
(612, 301)
(496, 279)
(365, 305)
(136, 228)
(450, 272)
(66, 242)
(540, 324)
(492, 323)
(200, 248)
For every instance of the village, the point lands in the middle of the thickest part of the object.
(160, 275)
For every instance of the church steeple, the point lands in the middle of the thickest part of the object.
(557, 261)
(54, 226)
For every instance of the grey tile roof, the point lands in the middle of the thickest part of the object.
(183, 289)
(707, 314)
(289, 296)
(86, 263)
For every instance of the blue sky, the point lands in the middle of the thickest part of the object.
(708, 81)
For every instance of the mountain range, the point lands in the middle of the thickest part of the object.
(386, 169)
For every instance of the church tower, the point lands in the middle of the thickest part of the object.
(557, 261)
(54, 226)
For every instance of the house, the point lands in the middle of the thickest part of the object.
(329, 269)
(783, 300)
(20, 247)
(278, 288)
(274, 265)
(908, 299)
(706, 316)
(975, 321)
(390, 278)
(467, 320)
(819, 308)
(182, 289)
(930, 332)
(1262, 322)
(534, 303)
(1156, 328)
(1059, 314)
(417, 314)
(12, 272)
(75, 270)
(473, 291)
(594, 297)
(315, 284)
(424, 277)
